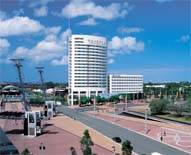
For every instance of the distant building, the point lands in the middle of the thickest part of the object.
(123, 83)
(87, 69)
(155, 86)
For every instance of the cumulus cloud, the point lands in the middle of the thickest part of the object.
(124, 45)
(4, 44)
(78, 8)
(40, 7)
(89, 22)
(19, 26)
(41, 12)
(52, 48)
(129, 30)
(184, 39)
(62, 61)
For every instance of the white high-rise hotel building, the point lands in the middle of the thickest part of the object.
(87, 68)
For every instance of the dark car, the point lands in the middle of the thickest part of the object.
(117, 139)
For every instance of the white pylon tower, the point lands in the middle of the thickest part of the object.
(19, 66)
(40, 70)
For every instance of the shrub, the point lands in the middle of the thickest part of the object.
(127, 148)
(158, 106)
(25, 152)
(84, 100)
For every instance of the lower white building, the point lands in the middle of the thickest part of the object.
(123, 83)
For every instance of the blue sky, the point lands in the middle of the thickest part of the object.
(149, 37)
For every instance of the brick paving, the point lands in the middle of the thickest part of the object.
(56, 140)
(59, 134)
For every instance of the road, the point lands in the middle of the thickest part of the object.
(140, 143)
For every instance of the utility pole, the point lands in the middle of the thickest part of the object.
(19, 66)
(40, 70)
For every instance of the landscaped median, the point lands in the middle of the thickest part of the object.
(77, 128)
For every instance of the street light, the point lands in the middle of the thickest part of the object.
(95, 106)
(146, 126)
(126, 104)
(114, 112)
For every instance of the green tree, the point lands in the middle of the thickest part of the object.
(127, 148)
(84, 100)
(189, 103)
(114, 98)
(37, 99)
(100, 99)
(177, 108)
(25, 152)
(158, 106)
(86, 143)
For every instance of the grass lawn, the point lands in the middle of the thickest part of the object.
(174, 117)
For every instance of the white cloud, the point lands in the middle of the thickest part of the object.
(18, 12)
(40, 8)
(41, 12)
(124, 45)
(53, 30)
(62, 61)
(4, 44)
(129, 30)
(52, 48)
(3, 15)
(89, 22)
(18, 26)
(184, 39)
(111, 61)
(78, 8)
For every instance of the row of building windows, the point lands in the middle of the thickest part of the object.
(77, 56)
(93, 86)
(95, 60)
(138, 80)
(87, 46)
(93, 73)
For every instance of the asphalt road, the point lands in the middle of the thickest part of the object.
(141, 144)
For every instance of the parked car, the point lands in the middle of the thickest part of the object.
(117, 139)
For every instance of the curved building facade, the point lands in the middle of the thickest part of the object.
(87, 69)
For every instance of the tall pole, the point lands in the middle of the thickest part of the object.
(95, 106)
(126, 103)
(114, 112)
(146, 127)
(40, 70)
(19, 66)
